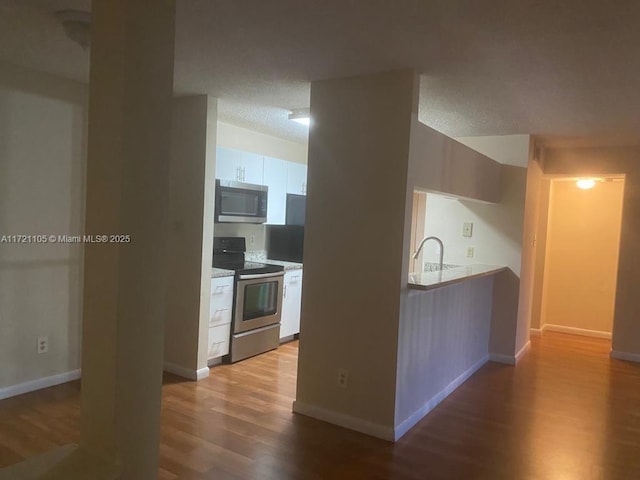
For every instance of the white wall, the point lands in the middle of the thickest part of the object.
(232, 136)
(42, 162)
(497, 228)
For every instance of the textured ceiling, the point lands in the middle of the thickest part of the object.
(554, 68)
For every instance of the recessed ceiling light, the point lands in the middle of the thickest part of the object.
(586, 183)
(301, 115)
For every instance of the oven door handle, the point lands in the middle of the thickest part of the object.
(260, 275)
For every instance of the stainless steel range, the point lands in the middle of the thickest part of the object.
(257, 299)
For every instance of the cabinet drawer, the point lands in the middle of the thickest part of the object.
(221, 300)
(221, 287)
(219, 340)
(219, 315)
(294, 277)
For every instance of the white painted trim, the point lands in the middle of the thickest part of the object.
(523, 351)
(537, 332)
(342, 420)
(38, 384)
(195, 375)
(578, 331)
(202, 373)
(500, 358)
(433, 402)
(510, 359)
(629, 357)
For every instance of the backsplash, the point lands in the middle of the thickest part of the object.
(245, 230)
(255, 255)
(435, 266)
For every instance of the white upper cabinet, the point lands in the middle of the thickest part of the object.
(275, 177)
(239, 166)
(296, 178)
(252, 168)
(228, 164)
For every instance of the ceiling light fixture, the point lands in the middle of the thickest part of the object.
(586, 183)
(77, 26)
(301, 115)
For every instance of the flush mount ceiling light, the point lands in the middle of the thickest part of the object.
(77, 26)
(586, 183)
(301, 115)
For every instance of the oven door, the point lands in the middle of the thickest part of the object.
(258, 301)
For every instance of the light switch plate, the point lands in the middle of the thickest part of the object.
(467, 229)
(470, 252)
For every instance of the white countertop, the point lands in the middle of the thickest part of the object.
(286, 265)
(441, 278)
(221, 272)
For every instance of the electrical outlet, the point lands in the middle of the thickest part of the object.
(343, 378)
(467, 229)
(470, 252)
(43, 344)
(252, 240)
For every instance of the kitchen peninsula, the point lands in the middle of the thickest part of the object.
(442, 278)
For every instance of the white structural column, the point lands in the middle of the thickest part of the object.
(358, 164)
(130, 106)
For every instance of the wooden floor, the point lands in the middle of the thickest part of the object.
(567, 412)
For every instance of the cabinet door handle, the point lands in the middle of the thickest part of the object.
(221, 310)
(244, 176)
(285, 292)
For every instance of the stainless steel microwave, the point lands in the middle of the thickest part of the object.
(238, 202)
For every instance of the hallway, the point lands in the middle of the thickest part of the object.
(566, 412)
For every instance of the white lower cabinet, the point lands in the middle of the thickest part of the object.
(219, 337)
(220, 311)
(291, 303)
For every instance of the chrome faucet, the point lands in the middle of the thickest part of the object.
(424, 240)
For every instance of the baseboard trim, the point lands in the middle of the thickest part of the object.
(39, 384)
(577, 331)
(434, 401)
(500, 358)
(345, 421)
(195, 375)
(510, 359)
(536, 332)
(629, 357)
(523, 351)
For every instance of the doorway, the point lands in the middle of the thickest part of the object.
(579, 232)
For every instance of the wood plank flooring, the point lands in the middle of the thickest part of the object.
(567, 412)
